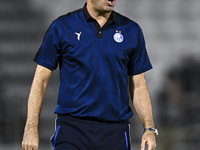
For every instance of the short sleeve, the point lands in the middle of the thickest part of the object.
(139, 61)
(49, 52)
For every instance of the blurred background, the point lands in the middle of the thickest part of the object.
(172, 33)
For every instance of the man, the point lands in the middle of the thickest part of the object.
(96, 48)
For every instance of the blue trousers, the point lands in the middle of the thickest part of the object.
(86, 134)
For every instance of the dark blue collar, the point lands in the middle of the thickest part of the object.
(88, 18)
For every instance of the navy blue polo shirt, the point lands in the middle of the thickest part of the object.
(94, 63)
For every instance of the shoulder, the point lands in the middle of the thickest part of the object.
(70, 14)
(123, 20)
(127, 24)
(69, 17)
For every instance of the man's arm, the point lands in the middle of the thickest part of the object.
(35, 102)
(142, 104)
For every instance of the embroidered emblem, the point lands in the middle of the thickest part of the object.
(118, 37)
(78, 35)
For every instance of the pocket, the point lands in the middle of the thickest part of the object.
(54, 137)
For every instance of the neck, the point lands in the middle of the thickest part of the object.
(99, 16)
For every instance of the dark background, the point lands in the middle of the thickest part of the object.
(172, 33)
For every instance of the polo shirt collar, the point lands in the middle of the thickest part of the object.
(111, 20)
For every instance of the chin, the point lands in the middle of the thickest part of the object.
(109, 9)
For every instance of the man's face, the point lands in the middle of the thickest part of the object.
(103, 5)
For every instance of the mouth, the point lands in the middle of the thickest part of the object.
(111, 2)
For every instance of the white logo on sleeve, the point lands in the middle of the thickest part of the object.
(78, 35)
(118, 37)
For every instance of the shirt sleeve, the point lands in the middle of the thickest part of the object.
(139, 61)
(49, 52)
